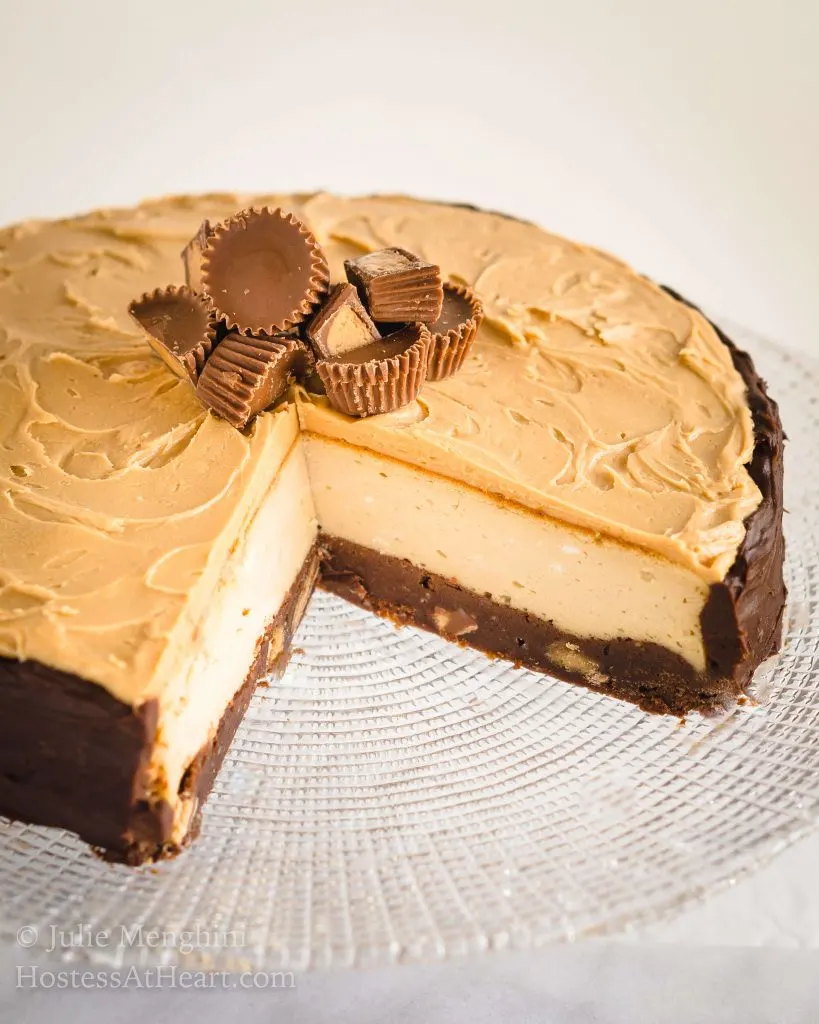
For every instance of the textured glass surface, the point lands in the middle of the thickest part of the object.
(396, 798)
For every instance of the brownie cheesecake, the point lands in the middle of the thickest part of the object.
(447, 416)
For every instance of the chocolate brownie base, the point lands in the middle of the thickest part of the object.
(643, 673)
(73, 756)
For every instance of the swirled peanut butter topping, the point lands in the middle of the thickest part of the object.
(590, 395)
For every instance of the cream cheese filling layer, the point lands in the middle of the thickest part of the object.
(251, 590)
(530, 562)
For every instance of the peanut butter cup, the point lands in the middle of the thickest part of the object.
(192, 256)
(341, 325)
(397, 286)
(179, 327)
(380, 377)
(454, 331)
(263, 271)
(245, 376)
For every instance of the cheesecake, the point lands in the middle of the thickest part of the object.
(596, 494)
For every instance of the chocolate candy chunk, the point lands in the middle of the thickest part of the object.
(381, 377)
(454, 331)
(396, 286)
(454, 622)
(263, 271)
(192, 256)
(341, 325)
(179, 328)
(245, 376)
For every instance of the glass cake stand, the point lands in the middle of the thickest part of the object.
(397, 798)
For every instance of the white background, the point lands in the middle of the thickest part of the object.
(683, 136)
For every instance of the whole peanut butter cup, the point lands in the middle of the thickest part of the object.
(245, 376)
(179, 327)
(263, 271)
(192, 256)
(397, 286)
(454, 331)
(380, 377)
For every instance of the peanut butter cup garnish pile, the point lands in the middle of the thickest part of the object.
(258, 315)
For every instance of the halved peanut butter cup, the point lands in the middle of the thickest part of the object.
(380, 377)
(245, 376)
(263, 271)
(342, 324)
(397, 286)
(454, 331)
(179, 327)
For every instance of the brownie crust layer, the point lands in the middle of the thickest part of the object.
(74, 757)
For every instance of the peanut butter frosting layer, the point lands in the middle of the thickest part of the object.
(590, 396)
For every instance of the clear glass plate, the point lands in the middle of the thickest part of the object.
(397, 798)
